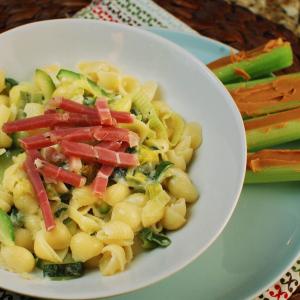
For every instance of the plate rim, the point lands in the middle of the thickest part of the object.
(237, 118)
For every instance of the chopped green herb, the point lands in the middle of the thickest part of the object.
(134, 111)
(65, 198)
(16, 217)
(51, 192)
(59, 211)
(131, 150)
(154, 148)
(67, 221)
(63, 271)
(118, 174)
(151, 240)
(146, 169)
(89, 101)
(161, 169)
(10, 82)
(104, 208)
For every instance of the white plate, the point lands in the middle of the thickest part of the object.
(191, 89)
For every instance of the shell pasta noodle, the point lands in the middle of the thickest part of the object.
(95, 168)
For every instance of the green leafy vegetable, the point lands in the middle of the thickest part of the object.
(63, 271)
(59, 211)
(104, 208)
(16, 217)
(151, 240)
(161, 169)
(10, 82)
(118, 174)
(89, 101)
(65, 198)
(131, 150)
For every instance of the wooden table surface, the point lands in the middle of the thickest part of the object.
(230, 24)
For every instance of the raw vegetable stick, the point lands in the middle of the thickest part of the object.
(259, 97)
(273, 165)
(273, 129)
(245, 65)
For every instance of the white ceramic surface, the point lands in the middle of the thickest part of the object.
(191, 89)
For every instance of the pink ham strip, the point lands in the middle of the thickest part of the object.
(122, 116)
(36, 142)
(83, 151)
(116, 134)
(50, 120)
(99, 154)
(71, 106)
(104, 112)
(118, 159)
(76, 134)
(78, 119)
(101, 180)
(39, 189)
(80, 134)
(44, 121)
(74, 107)
(59, 174)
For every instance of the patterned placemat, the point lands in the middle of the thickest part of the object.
(147, 13)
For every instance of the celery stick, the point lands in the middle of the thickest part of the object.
(252, 83)
(279, 99)
(276, 59)
(248, 84)
(274, 174)
(276, 134)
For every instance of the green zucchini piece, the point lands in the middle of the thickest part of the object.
(63, 73)
(63, 271)
(151, 240)
(6, 160)
(7, 234)
(92, 86)
(44, 82)
(27, 97)
(16, 136)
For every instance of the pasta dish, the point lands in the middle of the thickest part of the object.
(93, 168)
